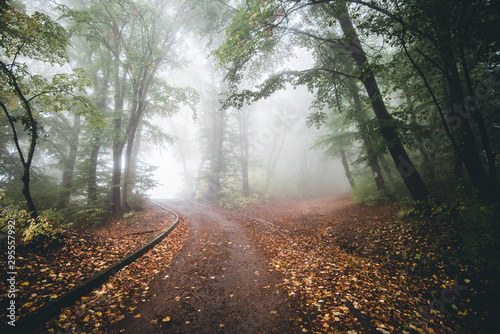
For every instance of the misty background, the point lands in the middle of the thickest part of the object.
(108, 103)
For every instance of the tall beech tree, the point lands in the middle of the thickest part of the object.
(243, 122)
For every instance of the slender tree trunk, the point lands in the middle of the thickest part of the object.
(407, 170)
(457, 123)
(118, 141)
(102, 91)
(136, 149)
(388, 172)
(478, 117)
(347, 171)
(116, 177)
(92, 172)
(26, 192)
(133, 124)
(217, 163)
(244, 146)
(140, 95)
(274, 159)
(377, 171)
(427, 165)
(458, 118)
(70, 161)
(372, 159)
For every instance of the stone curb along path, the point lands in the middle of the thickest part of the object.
(52, 308)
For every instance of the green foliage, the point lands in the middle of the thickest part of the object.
(251, 31)
(472, 221)
(92, 216)
(43, 232)
(129, 214)
(44, 190)
(137, 200)
(85, 216)
(145, 179)
(32, 36)
(234, 199)
(52, 215)
(10, 211)
(365, 192)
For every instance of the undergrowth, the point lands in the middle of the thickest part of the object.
(365, 192)
(45, 231)
(233, 199)
(48, 229)
(463, 229)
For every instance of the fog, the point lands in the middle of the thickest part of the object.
(106, 139)
(282, 161)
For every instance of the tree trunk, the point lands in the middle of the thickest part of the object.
(118, 141)
(217, 158)
(116, 177)
(136, 149)
(92, 172)
(372, 159)
(408, 172)
(140, 95)
(426, 164)
(133, 124)
(244, 146)
(388, 172)
(101, 91)
(478, 117)
(377, 172)
(458, 117)
(26, 192)
(348, 173)
(69, 162)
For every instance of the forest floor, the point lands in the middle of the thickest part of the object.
(322, 265)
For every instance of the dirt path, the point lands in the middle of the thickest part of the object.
(218, 284)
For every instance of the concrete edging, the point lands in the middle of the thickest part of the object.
(33, 319)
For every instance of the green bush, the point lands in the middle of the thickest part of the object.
(53, 215)
(480, 232)
(129, 214)
(43, 232)
(87, 216)
(365, 192)
(234, 199)
(9, 211)
(464, 218)
(137, 201)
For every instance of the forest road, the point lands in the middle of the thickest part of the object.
(219, 283)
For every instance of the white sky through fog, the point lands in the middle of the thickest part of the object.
(169, 174)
